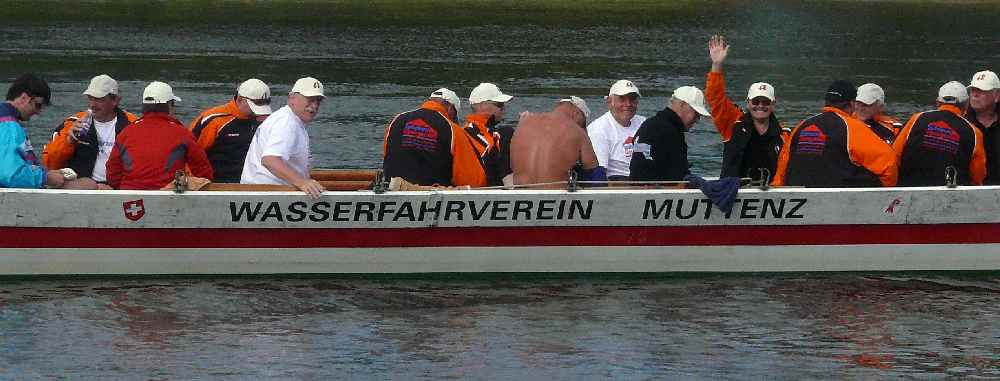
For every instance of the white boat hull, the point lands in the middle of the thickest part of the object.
(131, 233)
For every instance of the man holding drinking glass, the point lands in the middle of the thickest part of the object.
(753, 138)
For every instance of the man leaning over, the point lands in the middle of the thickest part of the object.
(488, 104)
(426, 147)
(660, 151)
(279, 151)
(546, 146)
(19, 166)
(83, 142)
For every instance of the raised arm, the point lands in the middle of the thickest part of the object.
(725, 114)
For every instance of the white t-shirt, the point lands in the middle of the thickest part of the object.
(613, 142)
(284, 135)
(105, 142)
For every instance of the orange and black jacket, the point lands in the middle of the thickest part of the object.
(149, 151)
(834, 149)
(991, 144)
(488, 141)
(62, 152)
(424, 147)
(745, 150)
(225, 134)
(885, 127)
(935, 140)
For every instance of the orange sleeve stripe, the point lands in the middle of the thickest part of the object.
(977, 164)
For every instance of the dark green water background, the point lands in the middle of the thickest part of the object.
(382, 57)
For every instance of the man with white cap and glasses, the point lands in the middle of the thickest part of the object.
(546, 146)
(835, 149)
(660, 151)
(869, 107)
(984, 113)
(149, 151)
(934, 141)
(225, 131)
(488, 104)
(279, 150)
(753, 138)
(83, 142)
(613, 133)
(426, 146)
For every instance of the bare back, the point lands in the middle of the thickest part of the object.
(546, 146)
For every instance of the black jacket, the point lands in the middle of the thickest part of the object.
(747, 150)
(660, 151)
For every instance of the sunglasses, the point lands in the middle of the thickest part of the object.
(38, 103)
(760, 101)
(499, 105)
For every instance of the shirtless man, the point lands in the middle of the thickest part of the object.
(546, 146)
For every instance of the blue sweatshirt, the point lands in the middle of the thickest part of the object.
(19, 167)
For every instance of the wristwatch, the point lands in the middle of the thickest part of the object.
(68, 174)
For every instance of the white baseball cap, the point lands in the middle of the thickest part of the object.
(985, 80)
(308, 87)
(101, 86)
(449, 96)
(761, 89)
(580, 104)
(158, 92)
(870, 93)
(488, 92)
(953, 92)
(624, 87)
(256, 90)
(693, 97)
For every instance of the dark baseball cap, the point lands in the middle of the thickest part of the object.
(841, 91)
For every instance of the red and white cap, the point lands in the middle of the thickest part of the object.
(985, 80)
(761, 89)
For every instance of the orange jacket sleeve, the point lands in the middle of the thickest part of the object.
(58, 152)
(786, 152)
(206, 132)
(903, 136)
(867, 150)
(725, 114)
(197, 160)
(466, 168)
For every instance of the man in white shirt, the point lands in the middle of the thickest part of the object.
(613, 134)
(279, 151)
(83, 141)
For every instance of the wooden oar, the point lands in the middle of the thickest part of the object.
(329, 185)
(343, 174)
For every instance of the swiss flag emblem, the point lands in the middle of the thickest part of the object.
(134, 210)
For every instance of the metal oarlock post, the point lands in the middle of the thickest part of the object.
(379, 185)
(180, 182)
(950, 177)
(572, 185)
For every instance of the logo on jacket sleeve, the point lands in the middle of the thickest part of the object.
(134, 210)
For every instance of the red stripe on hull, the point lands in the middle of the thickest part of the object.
(501, 237)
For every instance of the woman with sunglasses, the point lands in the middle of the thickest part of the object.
(752, 138)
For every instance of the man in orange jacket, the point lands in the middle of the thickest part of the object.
(83, 142)
(933, 141)
(489, 140)
(426, 147)
(834, 149)
(752, 138)
(225, 131)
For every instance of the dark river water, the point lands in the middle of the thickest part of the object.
(381, 58)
